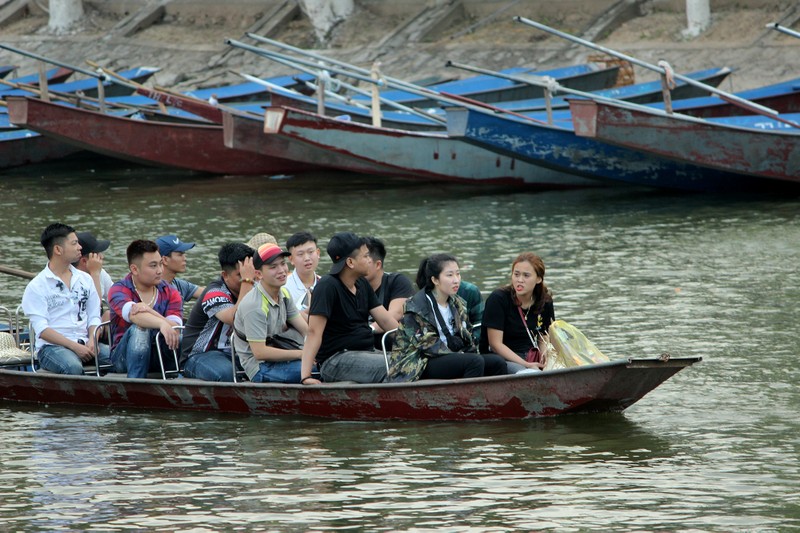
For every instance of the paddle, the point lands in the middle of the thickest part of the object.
(16, 272)
(728, 97)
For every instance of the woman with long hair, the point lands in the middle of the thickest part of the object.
(517, 315)
(434, 340)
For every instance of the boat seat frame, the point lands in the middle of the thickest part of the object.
(173, 373)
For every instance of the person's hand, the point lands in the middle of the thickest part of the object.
(246, 268)
(94, 264)
(171, 336)
(311, 381)
(84, 353)
(139, 307)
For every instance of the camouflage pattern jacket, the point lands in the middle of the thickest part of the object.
(417, 338)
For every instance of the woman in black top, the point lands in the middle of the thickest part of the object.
(518, 313)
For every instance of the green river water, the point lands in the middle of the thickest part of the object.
(715, 448)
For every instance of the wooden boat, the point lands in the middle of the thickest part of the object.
(5, 70)
(22, 147)
(640, 93)
(751, 146)
(345, 145)
(491, 89)
(54, 75)
(558, 147)
(606, 387)
(195, 147)
(89, 86)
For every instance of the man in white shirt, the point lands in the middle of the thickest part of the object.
(305, 258)
(62, 305)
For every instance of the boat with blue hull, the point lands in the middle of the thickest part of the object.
(558, 147)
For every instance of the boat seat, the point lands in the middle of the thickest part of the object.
(164, 371)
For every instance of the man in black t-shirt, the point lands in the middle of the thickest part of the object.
(391, 288)
(339, 337)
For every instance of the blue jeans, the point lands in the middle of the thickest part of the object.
(278, 371)
(136, 354)
(214, 365)
(62, 360)
(358, 366)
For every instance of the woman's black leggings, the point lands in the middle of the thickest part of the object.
(464, 365)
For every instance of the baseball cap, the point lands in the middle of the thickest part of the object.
(91, 244)
(340, 247)
(171, 243)
(267, 253)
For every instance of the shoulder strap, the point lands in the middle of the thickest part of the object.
(525, 325)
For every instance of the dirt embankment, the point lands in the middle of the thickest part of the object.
(190, 49)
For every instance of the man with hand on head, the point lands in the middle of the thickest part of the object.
(91, 262)
(173, 258)
(268, 327)
(339, 337)
(206, 348)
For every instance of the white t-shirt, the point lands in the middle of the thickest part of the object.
(298, 291)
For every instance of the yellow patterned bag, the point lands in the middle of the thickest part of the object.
(570, 348)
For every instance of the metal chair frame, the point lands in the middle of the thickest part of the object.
(236, 372)
(97, 366)
(174, 355)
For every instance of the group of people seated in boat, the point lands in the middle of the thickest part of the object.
(278, 326)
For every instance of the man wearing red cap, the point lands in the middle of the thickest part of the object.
(339, 335)
(268, 327)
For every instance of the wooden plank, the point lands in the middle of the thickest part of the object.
(13, 11)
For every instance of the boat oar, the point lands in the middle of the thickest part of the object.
(125, 82)
(316, 68)
(728, 97)
(71, 98)
(783, 29)
(16, 272)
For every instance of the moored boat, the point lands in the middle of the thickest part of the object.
(356, 147)
(751, 146)
(197, 147)
(605, 387)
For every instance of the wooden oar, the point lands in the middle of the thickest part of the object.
(62, 96)
(315, 68)
(16, 272)
(732, 98)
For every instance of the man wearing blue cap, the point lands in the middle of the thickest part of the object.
(173, 259)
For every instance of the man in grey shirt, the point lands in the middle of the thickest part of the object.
(269, 330)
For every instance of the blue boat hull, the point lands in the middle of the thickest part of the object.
(560, 149)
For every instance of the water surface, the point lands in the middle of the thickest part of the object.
(640, 272)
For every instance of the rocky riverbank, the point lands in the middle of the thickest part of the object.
(190, 47)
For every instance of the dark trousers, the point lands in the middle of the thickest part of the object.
(464, 365)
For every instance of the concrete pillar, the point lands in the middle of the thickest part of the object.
(64, 14)
(326, 14)
(698, 17)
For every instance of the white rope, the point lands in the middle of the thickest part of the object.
(669, 74)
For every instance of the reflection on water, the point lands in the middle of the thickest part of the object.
(641, 272)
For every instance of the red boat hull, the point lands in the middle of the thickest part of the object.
(186, 146)
(610, 386)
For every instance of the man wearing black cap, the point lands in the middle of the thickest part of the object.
(173, 259)
(91, 261)
(268, 328)
(339, 335)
